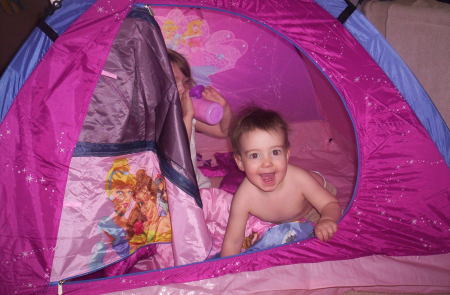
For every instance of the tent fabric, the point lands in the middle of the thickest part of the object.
(34, 177)
(358, 25)
(398, 72)
(400, 198)
(225, 57)
(33, 50)
(376, 273)
(119, 126)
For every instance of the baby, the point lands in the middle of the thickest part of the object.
(273, 190)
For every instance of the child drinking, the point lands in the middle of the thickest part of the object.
(183, 78)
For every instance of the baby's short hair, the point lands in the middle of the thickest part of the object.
(253, 118)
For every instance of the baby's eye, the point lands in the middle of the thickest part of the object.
(253, 156)
(277, 152)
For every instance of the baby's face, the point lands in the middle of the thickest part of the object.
(264, 158)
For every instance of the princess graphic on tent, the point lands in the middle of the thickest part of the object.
(187, 32)
(164, 233)
(143, 218)
(151, 212)
(208, 53)
(170, 30)
(136, 220)
(161, 196)
(192, 37)
(120, 185)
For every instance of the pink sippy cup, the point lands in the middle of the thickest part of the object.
(204, 110)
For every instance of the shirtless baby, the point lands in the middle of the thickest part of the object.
(273, 190)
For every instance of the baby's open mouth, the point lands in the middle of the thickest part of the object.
(268, 177)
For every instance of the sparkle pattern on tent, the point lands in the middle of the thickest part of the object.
(400, 199)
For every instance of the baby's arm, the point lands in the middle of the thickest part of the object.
(327, 226)
(326, 204)
(234, 235)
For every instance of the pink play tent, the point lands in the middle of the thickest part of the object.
(91, 132)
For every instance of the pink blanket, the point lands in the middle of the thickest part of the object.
(216, 208)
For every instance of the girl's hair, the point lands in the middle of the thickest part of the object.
(253, 118)
(181, 62)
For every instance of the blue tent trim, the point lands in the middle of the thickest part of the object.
(399, 73)
(32, 51)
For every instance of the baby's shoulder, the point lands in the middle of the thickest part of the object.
(297, 171)
(299, 176)
(245, 190)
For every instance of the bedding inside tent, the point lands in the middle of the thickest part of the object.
(109, 123)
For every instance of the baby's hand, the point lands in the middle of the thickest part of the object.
(325, 229)
(212, 94)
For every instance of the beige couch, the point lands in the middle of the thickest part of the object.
(419, 30)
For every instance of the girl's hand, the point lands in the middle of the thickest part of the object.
(325, 229)
(219, 130)
(212, 94)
